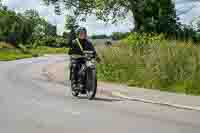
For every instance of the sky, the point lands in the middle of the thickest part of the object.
(95, 26)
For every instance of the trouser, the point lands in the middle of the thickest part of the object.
(75, 68)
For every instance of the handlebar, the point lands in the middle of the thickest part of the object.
(88, 52)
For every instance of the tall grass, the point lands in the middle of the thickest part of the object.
(154, 64)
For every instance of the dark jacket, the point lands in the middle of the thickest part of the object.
(76, 50)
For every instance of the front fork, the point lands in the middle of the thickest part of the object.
(80, 76)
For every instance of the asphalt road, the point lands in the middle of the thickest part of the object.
(29, 103)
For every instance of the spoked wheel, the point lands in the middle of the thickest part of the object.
(74, 92)
(91, 84)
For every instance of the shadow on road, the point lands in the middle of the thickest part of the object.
(107, 99)
(101, 99)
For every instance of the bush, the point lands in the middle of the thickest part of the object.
(56, 42)
(99, 36)
(144, 39)
(4, 45)
(48, 50)
(24, 49)
(119, 35)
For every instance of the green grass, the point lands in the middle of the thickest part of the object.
(8, 53)
(47, 50)
(164, 66)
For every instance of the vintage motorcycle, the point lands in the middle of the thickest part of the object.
(87, 83)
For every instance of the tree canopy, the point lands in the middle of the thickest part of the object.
(148, 15)
(25, 28)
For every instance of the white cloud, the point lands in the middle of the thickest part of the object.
(190, 9)
(92, 24)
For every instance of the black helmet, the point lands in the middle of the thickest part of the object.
(82, 29)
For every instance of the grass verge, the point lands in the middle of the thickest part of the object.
(166, 66)
(12, 54)
(48, 50)
(9, 54)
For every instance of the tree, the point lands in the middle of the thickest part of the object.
(65, 34)
(26, 28)
(32, 15)
(37, 30)
(71, 22)
(37, 24)
(198, 25)
(51, 30)
(1, 4)
(40, 27)
(147, 14)
(14, 28)
(119, 35)
(167, 21)
(101, 36)
(71, 25)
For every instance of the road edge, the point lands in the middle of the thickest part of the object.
(178, 106)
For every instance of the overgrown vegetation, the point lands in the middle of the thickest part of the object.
(153, 62)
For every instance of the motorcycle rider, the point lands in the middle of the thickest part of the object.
(76, 51)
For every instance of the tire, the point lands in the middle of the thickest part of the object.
(74, 93)
(91, 84)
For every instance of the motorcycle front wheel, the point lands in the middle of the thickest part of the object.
(91, 83)
(74, 92)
